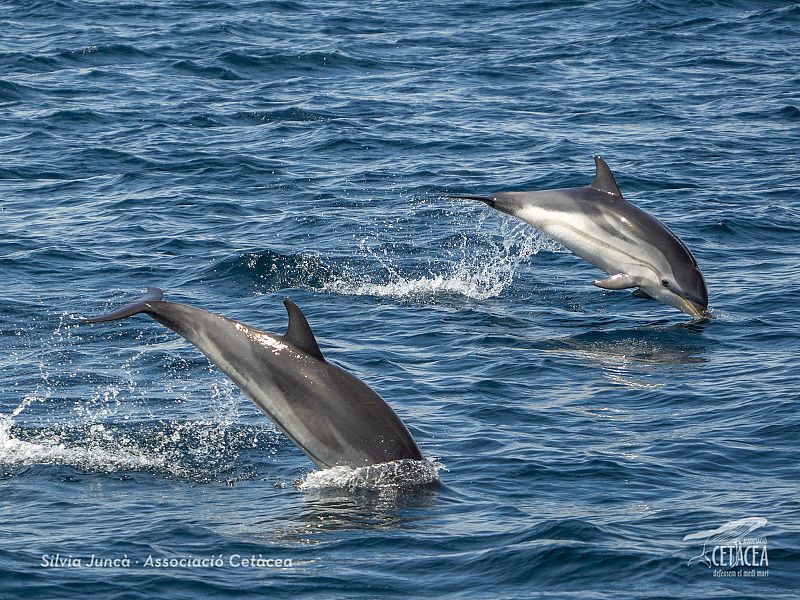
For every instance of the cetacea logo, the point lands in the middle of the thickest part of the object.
(732, 549)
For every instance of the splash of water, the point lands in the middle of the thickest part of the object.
(113, 455)
(393, 475)
(104, 432)
(477, 266)
(197, 450)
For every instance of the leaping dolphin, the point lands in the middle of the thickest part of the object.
(599, 225)
(332, 416)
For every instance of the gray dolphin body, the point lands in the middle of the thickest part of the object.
(335, 418)
(599, 225)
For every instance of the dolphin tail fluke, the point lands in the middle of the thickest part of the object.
(141, 305)
(484, 199)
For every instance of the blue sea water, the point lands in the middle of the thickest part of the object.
(235, 153)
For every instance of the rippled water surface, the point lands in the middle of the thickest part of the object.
(235, 153)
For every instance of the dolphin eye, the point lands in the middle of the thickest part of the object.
(665, 282)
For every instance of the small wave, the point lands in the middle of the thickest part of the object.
(288, 114)
(789, 112)
(297, 62)
(395, 475)
(103, 52)
(25, 61)
(77, 116)
(203, 120)
(272, 271)
(209, 72)
(10, 91)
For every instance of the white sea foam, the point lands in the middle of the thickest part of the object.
(393, 475)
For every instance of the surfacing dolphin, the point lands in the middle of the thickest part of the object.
(335, 418)
(599, 225)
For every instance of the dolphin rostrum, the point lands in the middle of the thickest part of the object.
(599, 225)
(335, 418)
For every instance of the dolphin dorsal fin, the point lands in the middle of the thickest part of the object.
(604, 179)
(299, 333)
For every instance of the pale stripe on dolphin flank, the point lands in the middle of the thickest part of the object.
(599, 225)
(557, 224)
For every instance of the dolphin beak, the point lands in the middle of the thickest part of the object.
(694, 308)
(485, 199)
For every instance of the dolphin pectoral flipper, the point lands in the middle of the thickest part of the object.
(620, 281)
(298, 333)
(640, 293)
(153, 294)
